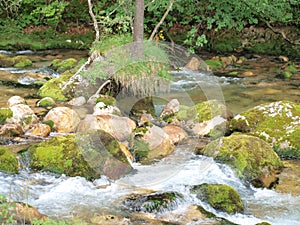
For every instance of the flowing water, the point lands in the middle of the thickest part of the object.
(68, 197)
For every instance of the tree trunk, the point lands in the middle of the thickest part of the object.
(138, 29)
(94, 20)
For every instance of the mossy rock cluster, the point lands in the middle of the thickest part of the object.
(63, 65)
(277, 123)
(53, 88)
(16, 61)
(107, 100)
(220, 196)
(90, 155)
(202, 111)
(152, 203)
(4, 114)
(8, 161)
(252, 158)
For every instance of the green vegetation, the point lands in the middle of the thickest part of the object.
(4, 114)
(220, 197)
(8, 161)
(251, 157)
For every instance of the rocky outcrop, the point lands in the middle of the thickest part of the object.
(252, 158)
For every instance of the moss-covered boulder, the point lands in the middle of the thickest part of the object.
(152, 203)
(252, 158)
(202, 111)
(277, 123)
(4, 114)
(207, 118)
(90, 155)
(23, 62)
(52, 88)
(8, 161)
(63, 65)
(220, 196)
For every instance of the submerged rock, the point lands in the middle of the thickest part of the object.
(90, 155)
(277, 123)
(252, 158)
(152, 203)
(220, 196)
(8, 161)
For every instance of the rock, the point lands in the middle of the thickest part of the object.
(152, 203)
(11, 130)
(65, 119)
(15, 100)
(63, 65)
(283, 58)
(52, 88)
(79, 101)
(89, 154)
(23, 63)
(119, 127)
(193, 64)
(4, 114)
(22, 115)
(220, 196)
(158, 142)
(21, 213)
(46, 102)
(40, 130)
(109, 220)
(102, 109)
(171, 108)
(176, 134)
(8, 161)
(6, 61)
(247, 74)
(215, 127)
(252, 158)
(278, 123)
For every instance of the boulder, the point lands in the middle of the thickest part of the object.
(171, 108)
(11, 130)
(61, 66)
(155, 143)
(89, 154)
(65, 119)
(8, 161)
(194, 64)
(102, 109)
(220, 196)
(22, 115)
(176, 134)
(46, 102)
(119, 127)
(39, 130)
(15, 100)
(78, 101)
(252, 158)
(278, 123)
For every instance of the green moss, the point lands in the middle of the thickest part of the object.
(249, 156)
(214, 64)
(8, 161)
(276, 123)
(50, 123)
(52, 88)
(23, 63)
(63, 65)
(140, 149)
(202, 111)
(220, 196)
(110, 42)
(4, 114)
(84, 154)
(45, 102)
(107, 100)
(226, 43)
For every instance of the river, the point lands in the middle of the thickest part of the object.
(65, 197)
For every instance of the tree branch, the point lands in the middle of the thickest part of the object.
(94, 20)
(162, 20)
